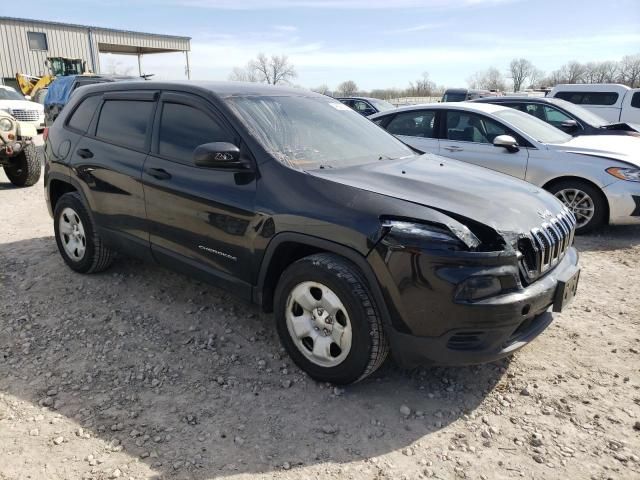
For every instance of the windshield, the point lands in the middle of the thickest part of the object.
(580, 113)
(10, 94)
(454, 97)
(532, 126)
(381, 105)
(315, 132)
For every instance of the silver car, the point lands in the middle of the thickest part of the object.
(596, 177)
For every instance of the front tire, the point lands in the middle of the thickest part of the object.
(79, 244)
(24, 170)
(586, 201)
(327, 320)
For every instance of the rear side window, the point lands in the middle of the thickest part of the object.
(635, 100)
(125, 122)
(589, 98)
(183, 128)
(81, 117)
(413, 124)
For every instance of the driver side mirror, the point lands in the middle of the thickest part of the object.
(569, 125)
(218, 155)
(506, 141)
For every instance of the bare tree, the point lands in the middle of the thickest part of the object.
(520, 69)
(348, 88)
(536, 78)
(630, 70)
(246, 74)
(273, 70)
(422, 87)
(490, 79)
(322, 89)
(573, 72)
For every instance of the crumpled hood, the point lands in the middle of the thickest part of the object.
(619, 147)
(21, 105)
(502, 202)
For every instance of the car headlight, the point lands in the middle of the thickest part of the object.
(414, 234)
(477, 288)
(6, 124)
(632, 174)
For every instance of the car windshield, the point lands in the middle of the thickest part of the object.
(580, 113)
(532, 126)
(454, 97)
(315, 132)
(10, 94)
(381, 105)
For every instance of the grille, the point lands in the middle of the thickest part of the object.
(546, 245)
(25, 115)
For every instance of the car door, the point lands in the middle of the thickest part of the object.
(199, 218)
(109, 158)
(468, 136)
(416, 128)
(631, 107)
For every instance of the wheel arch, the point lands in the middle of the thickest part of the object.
(564, 178)
(288, 247)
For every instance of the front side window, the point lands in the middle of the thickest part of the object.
(555, 117)
(125, 122)
(363, 107)
(37, 41)
(183, 128)
(413, 124)
(635, 100)
(315, 132)
(81, 117)
(471, 127)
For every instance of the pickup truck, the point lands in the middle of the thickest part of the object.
(614, 102)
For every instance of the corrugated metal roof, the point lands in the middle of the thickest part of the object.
(76, 25)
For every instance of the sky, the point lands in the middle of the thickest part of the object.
(376, 43)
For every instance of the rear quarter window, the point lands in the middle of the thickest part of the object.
(589, 98)
(83, 114)
(125, 122)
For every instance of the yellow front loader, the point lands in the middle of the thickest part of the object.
(58, 66)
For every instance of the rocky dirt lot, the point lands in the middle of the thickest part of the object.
(143, 373)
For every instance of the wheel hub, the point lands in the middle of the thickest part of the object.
(318, 324)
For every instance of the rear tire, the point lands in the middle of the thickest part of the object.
(79, 244)
(25, 168)
(586, 201)
(323, 301)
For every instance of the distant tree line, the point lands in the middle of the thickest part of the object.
(521, 74)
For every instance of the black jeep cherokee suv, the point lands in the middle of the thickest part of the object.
(294, 201)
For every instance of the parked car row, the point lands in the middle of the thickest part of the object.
(359, 243)
(596, 176)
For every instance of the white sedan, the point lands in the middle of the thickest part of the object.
(596, 177)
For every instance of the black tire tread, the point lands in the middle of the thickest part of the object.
(594, 192)
(28, 159)
(103, 256)
(348, 272)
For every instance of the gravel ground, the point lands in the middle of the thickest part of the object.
(140, 372)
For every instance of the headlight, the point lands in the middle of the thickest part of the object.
(415, 234)
(631, 174)
(6, 124)
(477, 288)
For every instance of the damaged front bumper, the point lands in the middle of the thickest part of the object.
(431, 324)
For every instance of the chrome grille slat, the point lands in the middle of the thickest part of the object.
(547, 244)
(23, 115)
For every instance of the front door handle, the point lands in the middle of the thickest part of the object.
(453, 148)
(85, 153)
(159, 173)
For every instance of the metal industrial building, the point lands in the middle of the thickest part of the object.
(26, 44)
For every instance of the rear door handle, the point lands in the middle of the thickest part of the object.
(159, 173)
(453, 148)
(85, 153)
